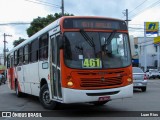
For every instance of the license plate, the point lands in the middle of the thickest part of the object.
(105, 98)
(137, 84)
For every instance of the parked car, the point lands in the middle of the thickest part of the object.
(139, 79)
(153, 73)
(2, 79)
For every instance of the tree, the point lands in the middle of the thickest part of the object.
(41, 22)
(17, 42)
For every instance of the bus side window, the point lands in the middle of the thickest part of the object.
(34, 51)
(15, 58)
(53, 50)
(8, 61)
(58, 52)
(26, 54)
(43, 47)
(12, 61)
(20, 56)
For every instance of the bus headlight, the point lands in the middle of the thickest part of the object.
(70, 84)
(129, 80)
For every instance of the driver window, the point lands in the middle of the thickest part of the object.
(117, 45)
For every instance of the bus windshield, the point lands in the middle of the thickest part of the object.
(97, 50)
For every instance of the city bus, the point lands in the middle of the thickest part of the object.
(75, 59)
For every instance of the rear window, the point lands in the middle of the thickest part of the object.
(153, 71)
(137, 70)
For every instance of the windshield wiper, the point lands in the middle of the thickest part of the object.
(108, 41)
(87, 38)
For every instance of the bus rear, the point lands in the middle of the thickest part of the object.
(94, 60)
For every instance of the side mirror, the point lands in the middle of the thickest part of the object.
(61, 42)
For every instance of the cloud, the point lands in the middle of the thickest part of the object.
(108, 8)
(20, 10)
(16, 32)
(146, 16)
(24, 11)
(17, 11)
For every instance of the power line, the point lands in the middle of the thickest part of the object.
(48, 3)
(135, 28)
(151, 6)
(138, 6)
(15, 23)
(44, 3)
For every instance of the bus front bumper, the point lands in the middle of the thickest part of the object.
(79, 96)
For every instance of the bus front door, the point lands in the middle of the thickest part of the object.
(55, 69)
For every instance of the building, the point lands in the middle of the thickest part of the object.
(146, 52)
(134, 51)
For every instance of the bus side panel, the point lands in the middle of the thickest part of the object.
(10, 78)
(35, 89)
(20, 78)
(27, 71)
(31, 78)
(44, 70)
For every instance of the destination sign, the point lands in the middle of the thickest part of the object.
(94, 23)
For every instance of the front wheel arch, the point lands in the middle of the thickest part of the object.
(44, 97)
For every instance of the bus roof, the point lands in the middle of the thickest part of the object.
(94, 17)
(53, 25)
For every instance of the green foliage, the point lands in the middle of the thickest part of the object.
(17, 42)
(41, 22)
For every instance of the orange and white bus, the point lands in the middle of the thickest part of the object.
(75, 59)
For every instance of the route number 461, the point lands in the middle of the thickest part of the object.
(92, 63)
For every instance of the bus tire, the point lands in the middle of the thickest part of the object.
(45, 98)
(18, 93)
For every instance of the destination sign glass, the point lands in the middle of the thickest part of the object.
(92, 23)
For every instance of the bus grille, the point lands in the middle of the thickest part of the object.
(100, 82)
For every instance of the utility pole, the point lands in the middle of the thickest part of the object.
(4, 51)
(127, 17)
(62, 7)
(126, 14)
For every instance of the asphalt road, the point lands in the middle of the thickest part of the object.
(137, 107)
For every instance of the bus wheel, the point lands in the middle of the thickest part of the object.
(45, 98)
(99, 103)
(18, 93)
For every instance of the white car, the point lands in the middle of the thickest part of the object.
(153, 73)
(139, 79)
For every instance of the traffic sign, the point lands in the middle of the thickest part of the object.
(157, 40)
(152, 27)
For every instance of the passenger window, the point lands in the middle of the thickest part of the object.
(43, 47)
(8, 61)
(58, 52)
(12, 61)
(26, 54)
(20, 56)
(34, 51)
(15, 58)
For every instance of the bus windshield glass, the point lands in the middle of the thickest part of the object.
(96, 50)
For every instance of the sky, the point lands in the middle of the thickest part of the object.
(25, 11)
